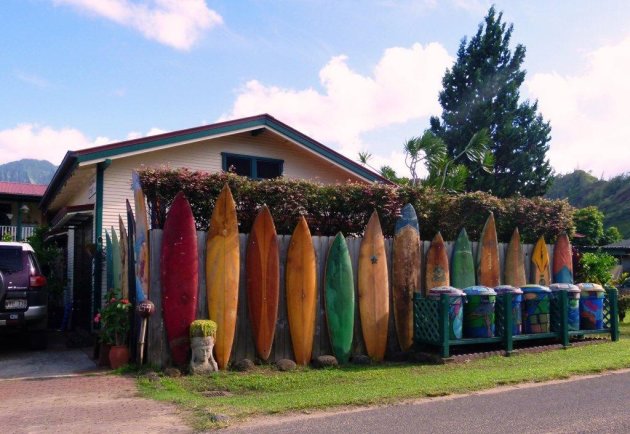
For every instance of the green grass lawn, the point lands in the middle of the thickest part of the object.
(267, 391)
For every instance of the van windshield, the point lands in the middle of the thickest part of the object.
(10, 258)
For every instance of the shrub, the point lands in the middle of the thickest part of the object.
(596, 268)
(347, 207)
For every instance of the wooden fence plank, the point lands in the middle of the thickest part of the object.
(202, 305)
(157, 351)
(282, 348)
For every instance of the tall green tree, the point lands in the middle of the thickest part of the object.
(611, 235)
(481, 91)
(589, 222)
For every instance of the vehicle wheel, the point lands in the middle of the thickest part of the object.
(38, 340)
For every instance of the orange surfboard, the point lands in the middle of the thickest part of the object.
(263, 279)
(514, 273)
(540, 264)
(373, 283)
(222, 273)
(488, 266)
(437, 273)
(301, 290)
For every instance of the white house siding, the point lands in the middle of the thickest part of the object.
(205, 156)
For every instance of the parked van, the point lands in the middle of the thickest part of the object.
(23, 293)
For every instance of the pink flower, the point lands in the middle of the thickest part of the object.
(97, 318)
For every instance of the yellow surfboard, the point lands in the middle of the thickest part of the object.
(222, 273)
(373, 283)
(540, 274)
(301, 291)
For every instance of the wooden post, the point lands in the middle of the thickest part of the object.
(508, 323)
(612, 293)
(564, 318)
(445, 334)
(157, 351)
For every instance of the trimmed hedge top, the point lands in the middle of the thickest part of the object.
(347, 207)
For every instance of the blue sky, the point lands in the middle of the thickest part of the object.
(355, 75)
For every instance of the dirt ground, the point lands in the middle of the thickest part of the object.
(83, 404)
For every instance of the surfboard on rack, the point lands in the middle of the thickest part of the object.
(141, 241)
(514, 272)
(263, 281)
(562, 260)
(406, 263)
(222, 273)
(301, 291)
(437, 273)
(462, 262)
(179, 269)
(373, 286)
(540, 264)
(488, 265)
(339, 298)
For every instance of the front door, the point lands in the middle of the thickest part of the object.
(83, 265)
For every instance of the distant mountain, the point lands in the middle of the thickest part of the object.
(28, 171)
(612, 197)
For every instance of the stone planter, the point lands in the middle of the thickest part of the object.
(202, 360)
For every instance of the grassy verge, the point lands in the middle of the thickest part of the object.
(268, 391)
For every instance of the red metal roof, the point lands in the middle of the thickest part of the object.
(22, 189)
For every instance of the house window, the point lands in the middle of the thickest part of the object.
(251, 166)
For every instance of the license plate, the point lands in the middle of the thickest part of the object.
(16, 303)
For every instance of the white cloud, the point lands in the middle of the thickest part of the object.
(47, 143)
(176, 23)
(403, 86)
(32, 79)
(589, 112)
(473, 6)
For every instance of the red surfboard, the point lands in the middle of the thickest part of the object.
(562, 260)
(179, 267)
(263, 280)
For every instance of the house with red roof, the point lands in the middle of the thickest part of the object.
(19, 210)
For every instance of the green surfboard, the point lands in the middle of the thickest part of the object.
(116, 262)
(462, 262)
(339, 298)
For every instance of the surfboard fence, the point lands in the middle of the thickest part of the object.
(157, 344)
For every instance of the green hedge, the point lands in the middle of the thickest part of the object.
(347, 207)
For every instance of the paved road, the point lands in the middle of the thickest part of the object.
(596, 404)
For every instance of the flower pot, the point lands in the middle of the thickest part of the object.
(118, 356)
(103, 354)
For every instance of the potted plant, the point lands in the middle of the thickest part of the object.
(114, 321)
